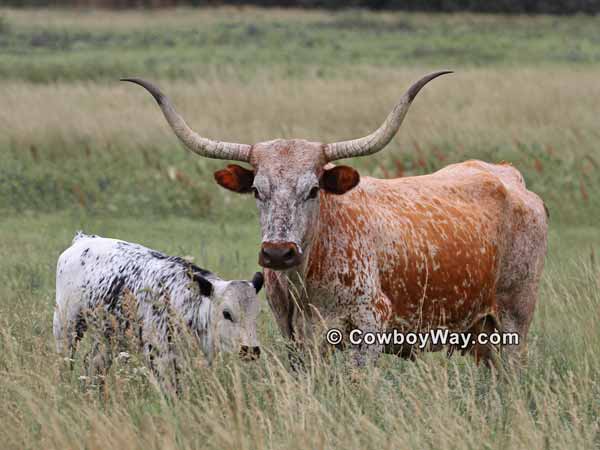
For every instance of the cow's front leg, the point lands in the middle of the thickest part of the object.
(366, 354)
(370, 321)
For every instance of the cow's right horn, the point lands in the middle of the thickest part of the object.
(191, 139)
(383, 135)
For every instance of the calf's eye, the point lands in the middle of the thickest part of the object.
(227, 316)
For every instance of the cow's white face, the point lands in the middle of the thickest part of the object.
(288, 210)
(233, 316)
(287, 181)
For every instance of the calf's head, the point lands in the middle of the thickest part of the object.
(233, 315)
(288, 176)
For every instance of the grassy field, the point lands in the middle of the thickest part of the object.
(238, 43)
(79, 150)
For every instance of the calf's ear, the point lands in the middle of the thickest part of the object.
(235, 178)
(206, 287)
(257, 281)
(339, 179)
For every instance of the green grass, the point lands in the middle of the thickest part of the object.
(78, 150)
(329, 44)
(436, 403)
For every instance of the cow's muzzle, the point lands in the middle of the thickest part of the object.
(249, 353)
(279, 256)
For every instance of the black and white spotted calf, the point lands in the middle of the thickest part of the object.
(112, 277)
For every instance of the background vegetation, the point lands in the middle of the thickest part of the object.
(494, 6)
(80, 150)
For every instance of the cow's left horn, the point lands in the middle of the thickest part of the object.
(191, 139)
(383, 135)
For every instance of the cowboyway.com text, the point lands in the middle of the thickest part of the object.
(433, 337)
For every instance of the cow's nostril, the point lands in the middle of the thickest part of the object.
(265, 254)
(290, 253)
(279, 255)
(256, 351)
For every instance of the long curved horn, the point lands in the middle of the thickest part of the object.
(383, 135)
(191, 139)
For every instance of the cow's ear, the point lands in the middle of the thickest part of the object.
(339, 179)
(235, 178)
(206, 287)
(257, 281)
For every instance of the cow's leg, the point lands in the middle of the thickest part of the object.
(520, 278)
(164, 366)
(68, 326)
(516, 313)
(283, 308)
(97, 363)
(161, 355)
(68, 338)
(98, 360)
(75, 338)
(367, 318)
(484, 354)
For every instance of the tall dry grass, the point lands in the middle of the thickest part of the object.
(544, 122)
(468, 109)
(136, 19)
(434, 403)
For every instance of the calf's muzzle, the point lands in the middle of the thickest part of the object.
(279, 256)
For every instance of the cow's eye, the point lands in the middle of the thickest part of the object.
(313, 192)
(227, 316)
(256, 193)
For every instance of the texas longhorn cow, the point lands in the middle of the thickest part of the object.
(462, 248)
